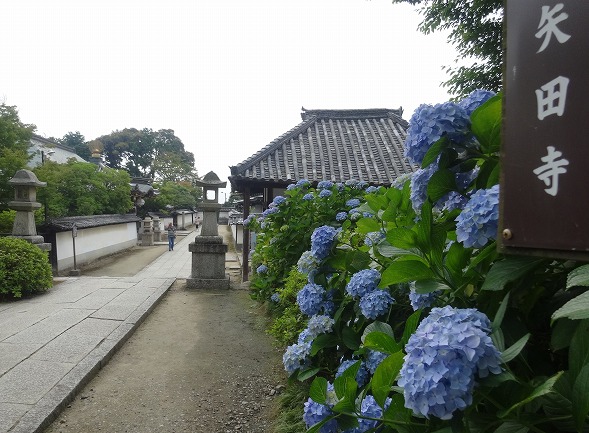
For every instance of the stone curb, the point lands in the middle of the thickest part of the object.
(48, 408)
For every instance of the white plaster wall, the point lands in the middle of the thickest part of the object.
(93, 243)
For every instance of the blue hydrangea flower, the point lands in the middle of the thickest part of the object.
(362, 184)
(373, 359)
(429, 123)
(362, 376)
(371, 189)
(419, 181)
(399, 182)
(373, 238)
(352, 183)
(477, 223)
(275, 298)
(310, 299)
(325, 193)
(322, 240)
(375, 303)
(464, 180)
(305, 336)
(270, 211)
(324, 184)
(369, 409)
(355, 215)
(315, 413)
(419, 301)
(363, 282)
(250, 218)
(367, 214)
(262, 269)
(475, 100)
(448, 351)
(308, 197)
(295, 356)
(303, 182)
(320, 324)
(452, 200)
(278, 200)
(291, 187)
(340, 186)
(341, 216)
(307, 263)
(353, 202)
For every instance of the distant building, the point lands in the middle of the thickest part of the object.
(42, 149)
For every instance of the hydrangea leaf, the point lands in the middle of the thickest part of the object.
(562, 333)
(500, 313)
(404, 271)
(514, 350)
(579, 349)
(397, 411)
(402, 237)
(512, 427)
(539, 391)
(410, 326)
(357, 260)
(380, 327)
(307, 374)
(322, 341)
(432, 154)
(352, 370)
(381, 342)
(578, 277)
(441, 183)
(376, 202)
(428, 286)
(350, 338)
(486, 124)
(580, 397)
(367, 225)
(318, 390)
(347, 422)
(576, 309)
(508, 270)
(384, 376)
(345, 389)
(488, 174)
(387, 250)
(456, 260)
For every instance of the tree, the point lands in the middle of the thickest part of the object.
(15, 138)
(476, 31)
(175, 195)
(76, 141)
(80, 188)
(158, 155)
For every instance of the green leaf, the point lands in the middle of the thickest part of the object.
(424, 226)
(578, 277)
(500, 313)
(441, 183)
(456, 260)
(581, 398)
(352, 370)
(384, 376)
(318, 390)
(486, 124)
(487, 172)
(367, 225)
(562, 333)
(508, 270)
(579, 350)
(433, 152)
(350, 338)
(377, 326)
(402, 238)
(410, 326)
(307, 374)
(345, 389)
(346, 422)
(357, 260)
(322, 341)
(512, 427)
(511, 352)
(539, 391)
(576, 309)
(428, 286)
(381, 342)
(404, 272)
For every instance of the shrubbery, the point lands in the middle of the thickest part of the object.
(414, 322)
(24, 268)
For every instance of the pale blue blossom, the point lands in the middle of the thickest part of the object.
(419, 182)
(296, 356)
(278, 200)
(341, 216)
(375, 303)
(307, 263)
(322, 239)
(477, 223)
(291, 187)
(310, 299)
(363, 282)
(320, 324)
(270, 211)
(449, 350)
(325, 193)
(353, 202)
(303, 183)
(275, 298)
(308, 197)
(262, 269)
(373, 238)
(475, 100)
(371, 189)
(362, 376)
(324, 184)
(373, 359)
(315, 413)
(419, 301)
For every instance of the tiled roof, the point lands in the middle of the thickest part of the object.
(82, 222)
(335, 145)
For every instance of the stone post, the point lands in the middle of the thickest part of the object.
(25, 195)
(157, 230)
(147, 236)
(208, 250)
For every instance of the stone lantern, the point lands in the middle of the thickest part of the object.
(208, 250)
(25, 185)
(147, 236)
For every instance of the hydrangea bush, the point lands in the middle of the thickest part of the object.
(411, 319)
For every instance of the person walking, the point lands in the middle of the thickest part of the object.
(171, 236)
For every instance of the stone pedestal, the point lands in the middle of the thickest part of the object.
(147, 239)
(208, 263)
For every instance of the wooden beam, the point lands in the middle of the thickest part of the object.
(246, 236)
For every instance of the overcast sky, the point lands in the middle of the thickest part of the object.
(227, 76)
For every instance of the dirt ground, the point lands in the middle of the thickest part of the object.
(200, 362)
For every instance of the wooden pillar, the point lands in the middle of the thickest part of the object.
(246, 237)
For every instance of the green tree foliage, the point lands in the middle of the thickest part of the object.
(475, 28)
(24, 268)
(79, 188)
(15, 138)
(76, 141)
(158, 155)
(173, 195)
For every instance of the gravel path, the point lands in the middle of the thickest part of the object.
(201, 362)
